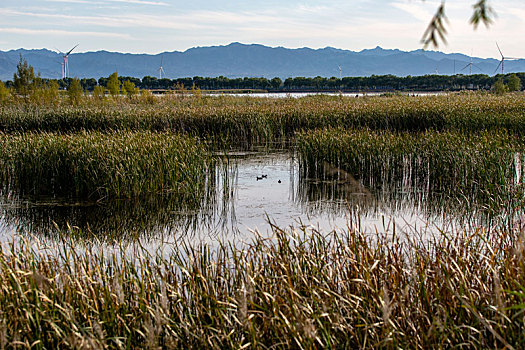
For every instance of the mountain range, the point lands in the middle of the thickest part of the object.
(242, 60)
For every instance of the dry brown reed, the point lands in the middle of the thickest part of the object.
(298, 289)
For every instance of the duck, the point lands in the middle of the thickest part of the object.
(264, 176)
(259, 178)
(279, 181)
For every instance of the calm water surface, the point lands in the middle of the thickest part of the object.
(253, 190)
(346, 94)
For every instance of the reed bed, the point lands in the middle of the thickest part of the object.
(474, 170)
(261, 119)
(297, 289)
(300, 289)
(101, 166)
(445, 158)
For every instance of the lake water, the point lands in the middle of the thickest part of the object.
(253, 190)
(345, 94)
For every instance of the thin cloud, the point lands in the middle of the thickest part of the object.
(134, 2)
(25, 31)
(194, 20)
(417, 11)
(139, 2)
(97, 20)
(77, 2)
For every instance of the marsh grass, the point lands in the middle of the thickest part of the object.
(480, 171)
(253, 120)
(297, 289)
(300, 289)
(102, 166)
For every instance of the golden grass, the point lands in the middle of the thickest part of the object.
(299, 289)
(243, 119)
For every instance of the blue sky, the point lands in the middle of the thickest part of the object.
(153, 26)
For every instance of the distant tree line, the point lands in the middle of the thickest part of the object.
(371, 83)
(349, 84)
(29, 87)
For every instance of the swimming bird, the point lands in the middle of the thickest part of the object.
(259, 177)
(264, 176)
(279, 181)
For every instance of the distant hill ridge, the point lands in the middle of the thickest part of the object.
(241, 60)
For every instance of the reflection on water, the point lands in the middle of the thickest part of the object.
(108, 221)
(253, 187)
(409, 190)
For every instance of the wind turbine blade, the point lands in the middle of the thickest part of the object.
(513, 58)
(67, 54)
(478, 67)
(465, 67)
(59, 51)
(499, 65)
(499, 50)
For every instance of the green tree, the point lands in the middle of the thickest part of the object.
(99, 92)
(514, 83)
(24, 80)
(276, 83)
(49, 92)
(4, 93)
(113, 84)
(75, 91)
(499, 87)
(88, 84)
(129, 89)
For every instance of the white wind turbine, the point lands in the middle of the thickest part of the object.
(340, 72)
(161, 69)
(470, 66)
(62, 69)
(502, 62)
(65, 56)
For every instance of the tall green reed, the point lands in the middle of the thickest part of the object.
(472, 171)
(105, 166)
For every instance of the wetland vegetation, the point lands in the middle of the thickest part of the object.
(478, 172)
(103, 166)
(138, 155)
(255, 120)
(307, 289)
